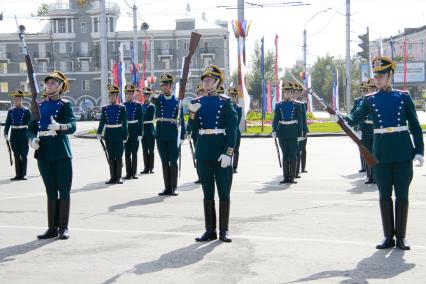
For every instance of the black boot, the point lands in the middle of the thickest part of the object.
(111, 164)
(128, 166)
(210, 222)
(386, 210)
(362, 164)
(173, 179)
(145, 156)
(151, 162)
(52, 220)
(401, 215)
(198, 176)
(285, 172)
(134, 165)
(17, 169)
(23, 168)
(118, 170)
(370, 179)
(166, 173)
(235, 161)
(64, 215)
(224, 221)
(292, 169)
(296, 173)
(303, 161)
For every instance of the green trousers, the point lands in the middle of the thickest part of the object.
(210, 173)
(289, 148)
(394, 176)
(169, 152)
(57, 177)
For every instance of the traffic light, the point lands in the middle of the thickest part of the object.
(365, 45)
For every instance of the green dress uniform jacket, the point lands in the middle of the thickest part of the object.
(17, 120)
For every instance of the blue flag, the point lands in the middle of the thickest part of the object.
(262, 76)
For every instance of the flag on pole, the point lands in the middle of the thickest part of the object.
(262, 75)
(121, 75)
(335, 98)
(308, 86)
(277, 86)
(269, 100)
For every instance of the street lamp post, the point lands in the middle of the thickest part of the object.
(305, 38)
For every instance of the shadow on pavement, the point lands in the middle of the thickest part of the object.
(358, 185)
(94, 186)
(188, 186)
(273, 185)
(139, 202)
(175, 259)
(7, 254)
(376, 267)
(8, 181)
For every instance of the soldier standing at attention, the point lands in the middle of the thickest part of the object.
(367, 130)
(48, 137)
(18, 119)
(216, 120)
(305, 131)
(233, 93)
(394, 118)
(148, 137)
(167, 108)
(298, 89)
(287, 126)
(357, 102)
(114, 120)
(135, 127)
(193, 132)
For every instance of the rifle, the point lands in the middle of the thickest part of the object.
(278, 152)
(193, 43)
(9, 149)
(192, 152)
(368, 156)
(35, 111)
(104, 148)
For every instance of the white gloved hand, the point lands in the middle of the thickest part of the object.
(300, 139)
(34, 143)
(99, 136)
(334, 118)
(225, 160)
(188, 137)
(181, 141)
(139, 138)
(274, 135)
(124, 141)
(53, 124)
(419, 158)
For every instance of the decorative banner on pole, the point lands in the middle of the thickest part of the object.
(121, 75)
(405, 63)
(262, 76)
(277, 86)
(335, 99)
(308, 86)
(269, 101)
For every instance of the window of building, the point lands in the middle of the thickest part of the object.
(111, 24)
(22, 67)
(83, 28)
(23, 85)
(3, 67)
(3, 51)
(165, 63)
(63, 66)
(186, 45)
(21, 49)
(62, 47)
(126, 45)
(85, 85)
(70, 29)
(84, 66)
(42, 50)
(61, 26)
(207, 61)
(84, 48)
(42, 67)
(4, 87)
(95, 24)
(70, 47)
(165, 44)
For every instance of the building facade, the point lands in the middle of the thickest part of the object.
(68, 40)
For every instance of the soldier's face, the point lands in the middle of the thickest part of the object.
(51, 86)
(129, 96)
(146, 98)
(208, 83)
(166, 88)
(112, 98)
(381, 80)
(17, 101)
(287, 94)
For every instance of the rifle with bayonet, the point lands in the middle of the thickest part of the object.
(9, 149)
(35, 111)
(368, 156)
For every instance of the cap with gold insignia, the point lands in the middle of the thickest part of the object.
(362, 86)
(232, 91)
(213, 71)
(383, 65)
(147, 91)
(200, 88)
(129, 88)
(112, 89)
(60, 77)
(221, 90)
(370, 83)
(17, 93)
(166, 78)
(288, 86)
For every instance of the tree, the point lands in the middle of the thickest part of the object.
(42, 10)
(253, 78)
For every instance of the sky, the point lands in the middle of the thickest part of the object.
(325, 31)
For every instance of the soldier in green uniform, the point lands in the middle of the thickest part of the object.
(390, 110)
(167, 109)
(17, 120)
(135, 127)
(193, 132)
(288, 127)
(233, 93)
(148, 137)
(357, 102)
(114, 120)
(301, 152)
(48, 137)
(216, 120)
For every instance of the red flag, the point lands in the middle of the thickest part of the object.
(268, 96)
(115, 74)
(405, 63)
(276, 68)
